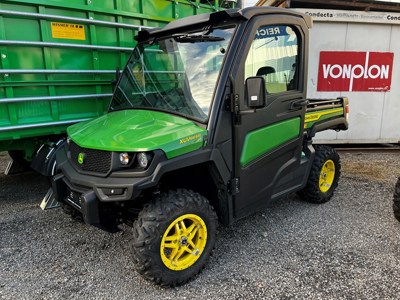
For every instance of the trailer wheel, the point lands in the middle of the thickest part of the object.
(396, 200)
(173, 237)
(324, 176)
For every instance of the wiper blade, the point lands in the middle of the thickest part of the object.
(193, 38)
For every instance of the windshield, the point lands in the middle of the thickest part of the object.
(177, 74)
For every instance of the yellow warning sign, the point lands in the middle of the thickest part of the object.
(67, 31)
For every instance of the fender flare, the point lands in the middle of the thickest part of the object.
(44, 161)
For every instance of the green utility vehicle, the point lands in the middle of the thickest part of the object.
(208, 123)
(396, 200)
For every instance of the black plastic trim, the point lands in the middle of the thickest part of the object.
(45, 158)
(335, 124)
(90, 208)
(187, 160)
(134, 185)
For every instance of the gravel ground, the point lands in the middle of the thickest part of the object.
(348, 248)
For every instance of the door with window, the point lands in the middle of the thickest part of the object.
(269, 139)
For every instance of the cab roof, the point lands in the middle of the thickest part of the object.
(210, 18)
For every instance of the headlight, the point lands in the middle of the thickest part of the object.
(143, 160)
(124, 158)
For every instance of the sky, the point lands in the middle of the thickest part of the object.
(247, 3)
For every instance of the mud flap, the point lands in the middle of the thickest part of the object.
(14, 168)
(49, 201)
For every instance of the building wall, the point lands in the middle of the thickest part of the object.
(374, 115)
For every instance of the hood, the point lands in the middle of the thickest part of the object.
(139, 130)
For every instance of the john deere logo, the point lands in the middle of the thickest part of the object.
(81, 158)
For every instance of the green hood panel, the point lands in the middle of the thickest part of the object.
(139, 130)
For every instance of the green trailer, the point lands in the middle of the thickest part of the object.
(58, 59)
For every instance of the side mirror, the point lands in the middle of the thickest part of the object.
(255, 91)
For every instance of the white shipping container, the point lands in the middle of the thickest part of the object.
(375, 111)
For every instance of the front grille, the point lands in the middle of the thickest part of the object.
(95, 161)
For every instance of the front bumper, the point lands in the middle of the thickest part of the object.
(87, 203)
(87, 193)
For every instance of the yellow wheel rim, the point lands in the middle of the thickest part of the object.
(326, 176)
(183, 242)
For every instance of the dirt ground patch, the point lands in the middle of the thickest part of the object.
(375, 168)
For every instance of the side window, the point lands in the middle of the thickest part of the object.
(273, 55)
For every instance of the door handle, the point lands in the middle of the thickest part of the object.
(299, 103)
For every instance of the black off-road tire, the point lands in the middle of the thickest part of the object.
(154, 221)
(312, 191)
(396, 200)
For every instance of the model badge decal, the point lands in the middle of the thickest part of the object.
(311, 117)
(81, 158)
(189, 138)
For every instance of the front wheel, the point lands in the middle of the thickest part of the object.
(174, 236)
(396, 200)
(324, 176)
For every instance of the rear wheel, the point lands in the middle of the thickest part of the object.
(324, 176)
(174, 236)
(396, 200)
